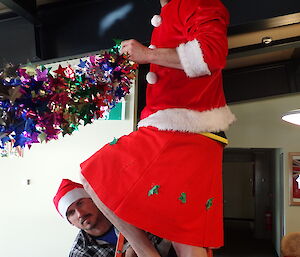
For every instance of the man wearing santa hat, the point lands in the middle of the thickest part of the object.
(97, 236)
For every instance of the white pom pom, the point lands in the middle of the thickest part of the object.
(151, 78)
(152, 46)
(156, 20)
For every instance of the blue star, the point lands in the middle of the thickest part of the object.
(82, 64)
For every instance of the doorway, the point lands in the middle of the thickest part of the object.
(252, 218)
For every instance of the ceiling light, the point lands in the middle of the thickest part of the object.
(292, 117)
(266, 40)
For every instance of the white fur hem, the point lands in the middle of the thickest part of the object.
(191, 58)
(186, 120)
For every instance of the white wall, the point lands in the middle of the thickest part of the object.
(29, 223)
(259, 125)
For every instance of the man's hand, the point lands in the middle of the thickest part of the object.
(130, 253)
(135, 51)
(141, 54)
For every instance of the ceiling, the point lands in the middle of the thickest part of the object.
(3, 8)
(284, 45)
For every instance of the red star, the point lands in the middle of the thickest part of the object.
(60, 71)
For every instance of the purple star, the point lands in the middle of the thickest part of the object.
(42, 75)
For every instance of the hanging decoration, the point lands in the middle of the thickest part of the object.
(37, 105)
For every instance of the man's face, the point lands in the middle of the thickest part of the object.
(85, 215)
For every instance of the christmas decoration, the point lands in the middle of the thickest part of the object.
(153, 190)
(37, 105)
(209, 203)
(182, 197)
(115, 140)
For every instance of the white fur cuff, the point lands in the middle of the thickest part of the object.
(186, 120)
(191, 58)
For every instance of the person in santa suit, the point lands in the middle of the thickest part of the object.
(167, 175)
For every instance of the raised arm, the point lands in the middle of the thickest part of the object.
(141, 54)
(204, 27)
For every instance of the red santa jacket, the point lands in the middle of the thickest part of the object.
(191, 99)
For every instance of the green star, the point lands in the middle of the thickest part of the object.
(209, 203)
(42, 137)
(117, 46)
(153, 190)
(182, 197)
(114, 141)
(43, 67)
(117, 41)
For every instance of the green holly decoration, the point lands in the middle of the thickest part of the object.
(114, 141)
(153, 190)
(43, 67)
(209, 203)
(117, 47)
(182, 197)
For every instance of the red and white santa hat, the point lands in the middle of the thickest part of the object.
(67, 193)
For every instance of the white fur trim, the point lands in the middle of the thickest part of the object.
(191, 58)
(152, 47)
(151, 77)
(69, 198)
(186, 120)
(156, 21)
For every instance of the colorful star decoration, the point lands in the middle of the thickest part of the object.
(37, 106)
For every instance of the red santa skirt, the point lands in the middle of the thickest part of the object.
(164, 182)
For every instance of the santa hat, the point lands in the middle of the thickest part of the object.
(67, 193)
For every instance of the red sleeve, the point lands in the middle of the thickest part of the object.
(207, 21)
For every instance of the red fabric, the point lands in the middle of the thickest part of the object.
(122, 175)
(184, 21)
(178, 163)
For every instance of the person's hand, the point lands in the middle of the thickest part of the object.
(130, 253)
(135, 51)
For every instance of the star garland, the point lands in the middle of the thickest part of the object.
(37, 106)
